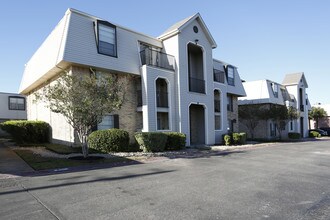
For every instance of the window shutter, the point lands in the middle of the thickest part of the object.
(116, 121)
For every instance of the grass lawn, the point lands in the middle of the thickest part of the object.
(38, 162)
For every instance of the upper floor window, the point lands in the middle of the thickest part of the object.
(275, 89)
(218, 76)
(230, 76)
(107, 41)
(16, 103)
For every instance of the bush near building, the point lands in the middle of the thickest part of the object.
(23, 131)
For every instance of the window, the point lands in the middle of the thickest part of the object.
(162, 121)
(217, 122)
(291, 125)
(107, 44)
(275, 89)
(217, 101)
(230, 103)
(230, 76)
(16, 103)
(273, 128)
(218, 76)
(109, 121)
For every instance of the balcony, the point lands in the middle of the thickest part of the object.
(196, 85)
(162, 99)
(218, 76)
(158, 59)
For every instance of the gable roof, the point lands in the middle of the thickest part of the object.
(179, 26)
(294, 79)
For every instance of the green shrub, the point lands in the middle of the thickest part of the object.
(112, 140)
(175, 141)
(227, 139)
(235, 138)
(27, 131)
(314, 134)
(294, 135)
(151, 141)
(239, 138)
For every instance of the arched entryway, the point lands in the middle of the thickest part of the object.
(197, 124)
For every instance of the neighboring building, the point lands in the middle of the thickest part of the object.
(12, 107)
(175, 84)
(323, 122)
(292, 92)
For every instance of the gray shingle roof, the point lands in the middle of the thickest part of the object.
(177, 25)
(294, 79)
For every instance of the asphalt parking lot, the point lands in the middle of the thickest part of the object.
(281, 181)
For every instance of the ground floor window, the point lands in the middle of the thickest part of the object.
(108, 122)
(273, 128)
(291, 126)
(217, 122)
(162, 121)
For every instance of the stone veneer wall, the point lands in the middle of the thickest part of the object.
(129, 119)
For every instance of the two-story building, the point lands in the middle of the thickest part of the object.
(174, 84)
(292, 92)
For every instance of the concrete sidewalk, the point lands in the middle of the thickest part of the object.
(11, 165)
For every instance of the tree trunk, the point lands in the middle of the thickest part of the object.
(84, 146)
(83, 140)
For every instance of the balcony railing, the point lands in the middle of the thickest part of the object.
(218, 76)
(162, 99)
(216, 105)
(196, 85)
(155, 58)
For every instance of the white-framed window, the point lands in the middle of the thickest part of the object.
(107, 40)
(217, 122)
(273, 128)
(230, 75)
(291, 125)
(162, 121)
(275, 89)
(16, 103)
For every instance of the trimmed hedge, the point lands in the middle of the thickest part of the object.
(27, 131)
(294, 135)
(314, 134)
(175, 141)
(151, 141)
(111, 140)
(235, 138)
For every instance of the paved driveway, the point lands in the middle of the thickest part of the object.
(282, 181)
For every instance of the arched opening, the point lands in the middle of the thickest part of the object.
(161, 93)
(196, 68)
(162, 104)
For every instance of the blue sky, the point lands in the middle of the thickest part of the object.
(265, 39)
